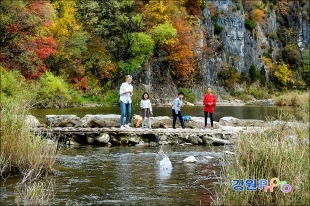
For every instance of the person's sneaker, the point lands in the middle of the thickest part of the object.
(122, 127)
(173, 128)
(127, 126)
(183, 127)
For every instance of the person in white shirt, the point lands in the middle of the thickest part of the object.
(126, 91)
(146, 109)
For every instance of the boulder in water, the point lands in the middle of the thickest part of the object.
(190, 159)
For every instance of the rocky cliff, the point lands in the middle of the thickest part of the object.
(231, 43)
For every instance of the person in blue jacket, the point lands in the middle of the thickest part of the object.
(176, 110)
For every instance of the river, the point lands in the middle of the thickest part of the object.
(125, 175)
(240, 112)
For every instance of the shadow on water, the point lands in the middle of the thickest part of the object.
(127, 176)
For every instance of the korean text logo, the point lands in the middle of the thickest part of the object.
(251, 185)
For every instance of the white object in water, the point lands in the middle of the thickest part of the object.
(190, 159)
(228, 152)
(162, 161)
(209, 157)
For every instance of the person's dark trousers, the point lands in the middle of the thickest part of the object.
(211, 118)
(174, 115)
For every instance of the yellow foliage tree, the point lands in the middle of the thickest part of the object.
(268, 61)
(258, 15)
(65, 26)
(282, 74)
(159, 10)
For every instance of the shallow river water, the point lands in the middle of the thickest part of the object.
(93, 175)
(103, 175)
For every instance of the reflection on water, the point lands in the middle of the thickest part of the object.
(127, 176)
(240, 112)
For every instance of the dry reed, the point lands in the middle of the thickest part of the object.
(21, 151)
(280, 151)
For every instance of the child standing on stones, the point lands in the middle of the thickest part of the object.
(176, 110)
(146, 109)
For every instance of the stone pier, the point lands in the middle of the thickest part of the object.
(104, 129)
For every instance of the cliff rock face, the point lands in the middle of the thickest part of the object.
(234, 46)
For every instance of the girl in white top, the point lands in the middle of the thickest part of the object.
(126, 91)
(146, 109)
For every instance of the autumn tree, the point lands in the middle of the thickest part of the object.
(193, 8)
(181, 54)
(167, 18)
(25, 39)
(281, 75)
(120, 27)
(71, 44)
(229, 77)
(258, 15)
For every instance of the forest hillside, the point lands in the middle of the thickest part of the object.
(66, 53)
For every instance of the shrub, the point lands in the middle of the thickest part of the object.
(229, 76)
(281, 75)
(250, 24)
(263, 77)
(241, 95)
(258, 15)
(189, 95)
(253, 73)
(164, 33)
(53, 92)
(258, 92)
(111, 97)
(218, 29)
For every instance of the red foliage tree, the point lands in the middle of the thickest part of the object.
(25, 39)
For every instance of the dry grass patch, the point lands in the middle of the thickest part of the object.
(279, 152)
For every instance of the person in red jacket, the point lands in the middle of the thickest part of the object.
(209, 102)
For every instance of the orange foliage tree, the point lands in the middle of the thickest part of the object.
(181, 53)
(258, 15)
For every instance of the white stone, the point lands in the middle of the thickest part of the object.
(104, 138)
(190, 159)
(32, 121)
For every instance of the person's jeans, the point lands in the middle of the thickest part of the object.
(174, 115)
(211, 118)
(125, 112)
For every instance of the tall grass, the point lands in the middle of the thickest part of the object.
(278, 152)
(36, 193)
(21, 151)
(293, 99)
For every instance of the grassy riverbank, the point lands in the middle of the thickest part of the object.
(25, 154)
(279, 152)
(21, 151)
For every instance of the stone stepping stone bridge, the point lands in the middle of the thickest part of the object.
(105, 129)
